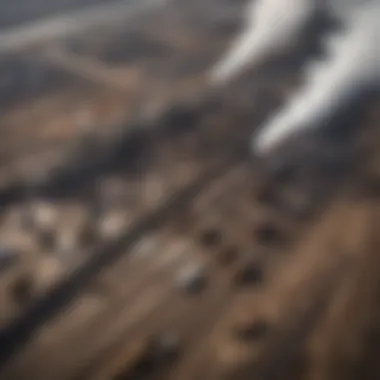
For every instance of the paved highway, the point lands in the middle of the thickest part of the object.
(69, 22)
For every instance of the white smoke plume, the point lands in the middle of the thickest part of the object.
(353, 62)
(271, 25)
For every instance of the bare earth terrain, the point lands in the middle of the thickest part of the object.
(139, 237)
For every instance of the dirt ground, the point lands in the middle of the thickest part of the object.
(141, 240)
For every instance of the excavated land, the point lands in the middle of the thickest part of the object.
(140, 238)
